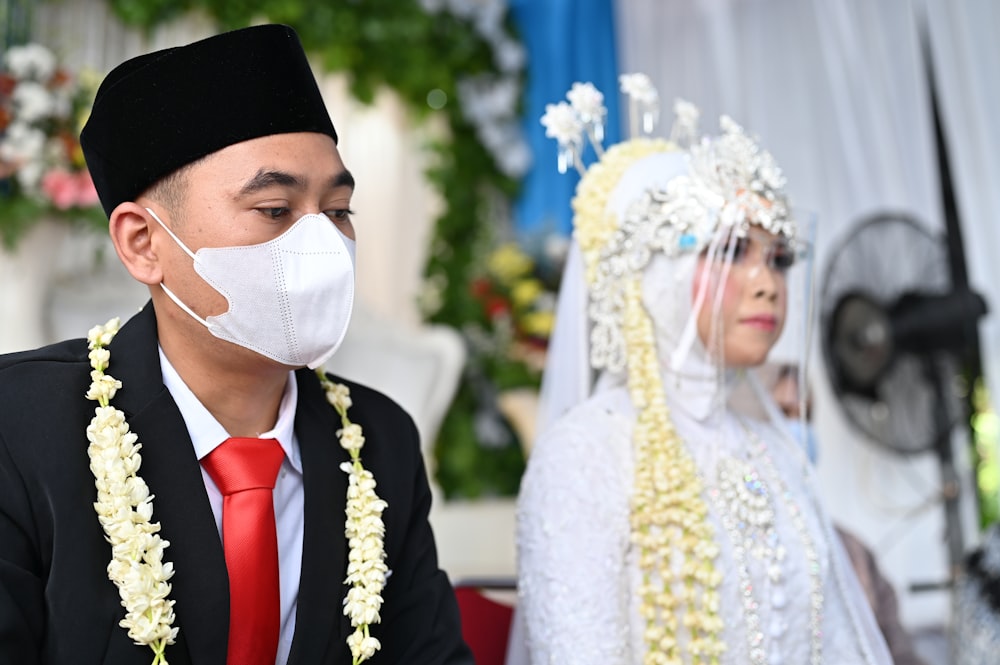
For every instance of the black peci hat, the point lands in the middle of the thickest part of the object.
(158, 112)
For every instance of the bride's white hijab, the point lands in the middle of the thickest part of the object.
(693, 381)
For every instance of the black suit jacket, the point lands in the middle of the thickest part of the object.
(57, 604)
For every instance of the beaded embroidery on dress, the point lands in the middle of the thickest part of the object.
(655, 523)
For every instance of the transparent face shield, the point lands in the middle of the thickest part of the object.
(752, 308)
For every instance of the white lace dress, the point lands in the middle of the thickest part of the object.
(788, 594)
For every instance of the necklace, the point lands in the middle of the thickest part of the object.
(751, 529)
(125, 509)
(745, 505)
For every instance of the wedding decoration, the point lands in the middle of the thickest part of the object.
(365, 531)
(458, 59)
(125, 510)
(480, 450)
(42, 171)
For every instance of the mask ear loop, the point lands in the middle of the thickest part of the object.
(170, 294)
(172, 235)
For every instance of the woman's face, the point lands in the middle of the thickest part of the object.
(753, 295)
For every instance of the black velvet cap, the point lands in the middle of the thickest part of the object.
(158, 112)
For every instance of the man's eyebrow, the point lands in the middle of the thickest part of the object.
(264, 179)
(342, 179)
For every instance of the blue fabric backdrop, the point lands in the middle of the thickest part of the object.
(566, 41)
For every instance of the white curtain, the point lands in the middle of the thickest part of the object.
(966, 59)
(838, 92)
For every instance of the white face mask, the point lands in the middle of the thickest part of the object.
(290, 298)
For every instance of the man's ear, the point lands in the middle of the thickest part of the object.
(131, 231)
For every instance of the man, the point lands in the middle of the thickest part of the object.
(217, 164)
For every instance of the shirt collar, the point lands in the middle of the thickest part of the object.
(206, 432)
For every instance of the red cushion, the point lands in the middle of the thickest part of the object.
(485, 625)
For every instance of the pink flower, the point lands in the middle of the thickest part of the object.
(67, 190)
(86, 193)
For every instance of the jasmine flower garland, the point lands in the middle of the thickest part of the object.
(679, 588)
(125, 509)
(365, 531)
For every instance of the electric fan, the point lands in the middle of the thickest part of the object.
(894, 329)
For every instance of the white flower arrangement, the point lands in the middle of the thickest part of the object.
(639, 87)
(686, 116)
(38, 119)
(644, 102)
(31, 61)
(365, 531)
(562, 124)
(489, 101)
(42, 170)
(587, 101)
(125, 510)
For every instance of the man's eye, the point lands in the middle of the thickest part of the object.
(273, 213)
(339, 214)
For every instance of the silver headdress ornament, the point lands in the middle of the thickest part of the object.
(730, 184)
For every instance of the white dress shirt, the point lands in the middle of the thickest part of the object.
(206, 433)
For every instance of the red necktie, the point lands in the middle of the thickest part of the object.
(244, 470)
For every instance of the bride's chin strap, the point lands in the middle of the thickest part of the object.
(680, 353)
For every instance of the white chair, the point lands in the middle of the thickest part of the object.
(418, 367)
(421, 368)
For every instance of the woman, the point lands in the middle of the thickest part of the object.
(656, 523)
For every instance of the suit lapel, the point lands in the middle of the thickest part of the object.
(320, 624)
(173, 474)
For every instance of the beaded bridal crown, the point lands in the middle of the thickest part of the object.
(728, 184)
(732, 181)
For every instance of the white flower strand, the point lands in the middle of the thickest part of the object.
(125, 509)
(365, 531)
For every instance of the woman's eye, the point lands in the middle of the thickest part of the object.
(736, 248)
(782, 258)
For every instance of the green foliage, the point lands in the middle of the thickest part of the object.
(465, 467)
(399, 45)
(985, 427)
(20, 214)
